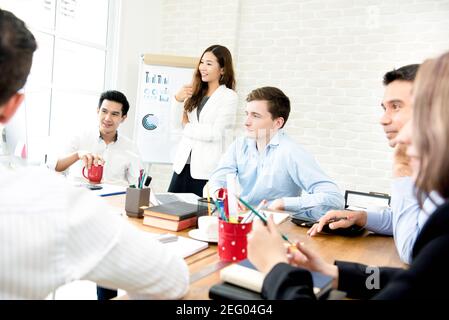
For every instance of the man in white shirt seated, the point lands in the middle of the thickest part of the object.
(52, 233)
(103, 145)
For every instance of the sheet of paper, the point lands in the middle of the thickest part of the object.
(188, 197)
(106, 189)
(365, 201)
(109, 190)
(183, 246)
(278, 217)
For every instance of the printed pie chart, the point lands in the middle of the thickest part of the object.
(150, 122)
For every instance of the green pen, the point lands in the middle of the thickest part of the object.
(261, 218)
(142, 180)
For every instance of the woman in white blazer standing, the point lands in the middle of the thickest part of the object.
(205, 111)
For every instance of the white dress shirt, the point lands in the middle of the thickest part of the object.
(122, 161)
(405, 219)
(52, 233)
(283, 170)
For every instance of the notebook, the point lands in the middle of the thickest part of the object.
(227, 291)
(245, 275)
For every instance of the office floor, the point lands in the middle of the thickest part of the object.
(79, 290)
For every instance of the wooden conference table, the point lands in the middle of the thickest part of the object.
(205, 265)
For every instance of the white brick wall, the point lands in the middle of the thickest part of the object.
(327, 56)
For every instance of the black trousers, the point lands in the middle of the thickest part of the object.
(184, 183)
(105, 294)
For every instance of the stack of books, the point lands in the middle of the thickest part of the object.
(173, 216)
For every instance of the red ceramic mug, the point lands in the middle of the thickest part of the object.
(94, 174)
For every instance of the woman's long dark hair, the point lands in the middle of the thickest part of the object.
(224, 59)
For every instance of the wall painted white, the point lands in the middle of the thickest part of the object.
(140, 32)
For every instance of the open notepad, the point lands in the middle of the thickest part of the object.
(185, 247)
(245, 275)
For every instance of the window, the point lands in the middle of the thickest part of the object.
(69, 68)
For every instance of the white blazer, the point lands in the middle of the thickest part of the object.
(207, 138)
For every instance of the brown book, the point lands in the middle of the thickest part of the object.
(171, 225)
(173, 211)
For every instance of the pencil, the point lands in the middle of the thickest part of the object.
(261, 218)
(208, 202)
(248, 218)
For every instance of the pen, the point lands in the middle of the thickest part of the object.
(148, 181)
(261, 218)
(208, 202)
(142, 180)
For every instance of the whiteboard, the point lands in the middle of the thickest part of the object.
(160, 77)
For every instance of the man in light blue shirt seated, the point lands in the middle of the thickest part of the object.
(270, 165)
(404, 219)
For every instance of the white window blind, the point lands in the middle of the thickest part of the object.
(69, 67)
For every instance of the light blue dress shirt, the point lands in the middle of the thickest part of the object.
(283, 170)
(405, 219)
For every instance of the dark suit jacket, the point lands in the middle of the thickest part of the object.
(427, 277)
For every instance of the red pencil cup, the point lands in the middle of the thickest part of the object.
(232, 241)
